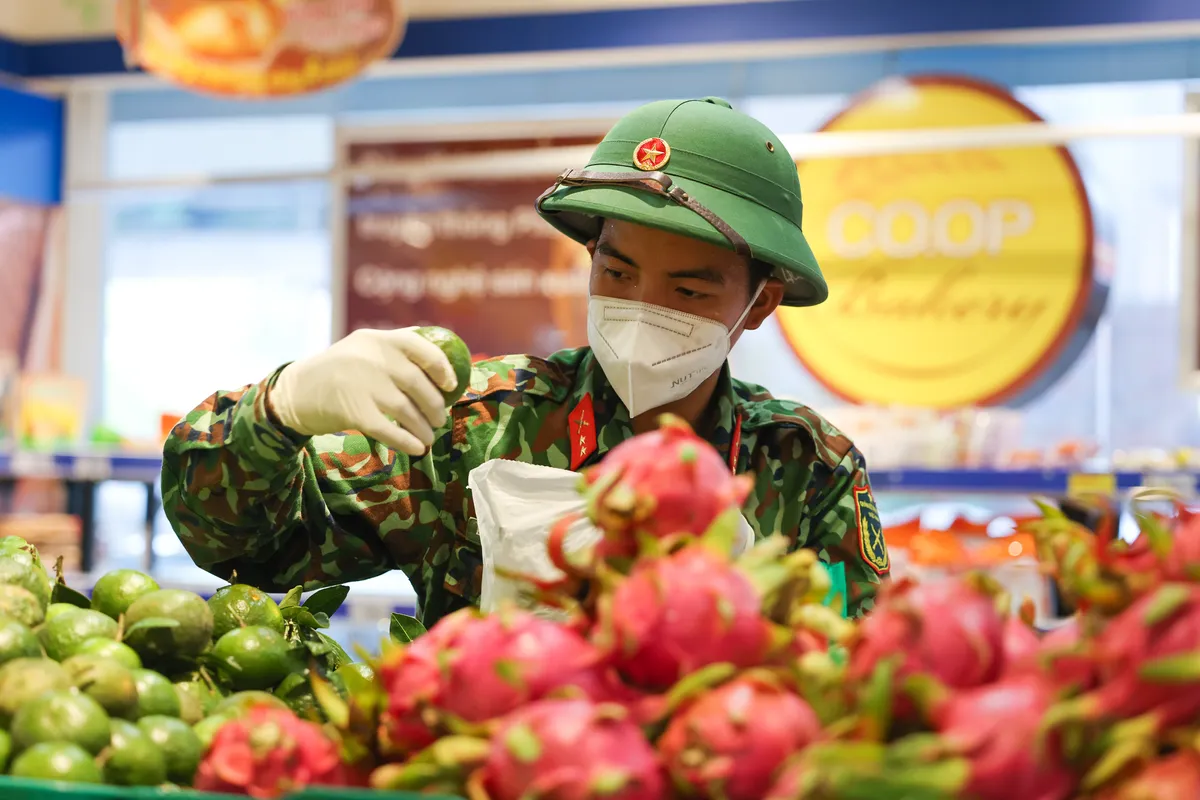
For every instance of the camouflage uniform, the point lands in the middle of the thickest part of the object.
(244, 494)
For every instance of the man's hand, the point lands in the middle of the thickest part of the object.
(363, 383)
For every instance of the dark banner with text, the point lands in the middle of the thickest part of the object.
(469, 255)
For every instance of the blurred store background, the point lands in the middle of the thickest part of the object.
(1015, 303)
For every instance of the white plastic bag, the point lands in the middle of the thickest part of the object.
(516, 505)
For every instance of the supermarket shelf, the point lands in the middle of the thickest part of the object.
(98, 466)
(82, 466)
(83, 470)
(1027, 482)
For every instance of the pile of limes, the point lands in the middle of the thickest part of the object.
(129, 686)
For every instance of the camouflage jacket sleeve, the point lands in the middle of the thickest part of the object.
(845, 527)
(245, 494)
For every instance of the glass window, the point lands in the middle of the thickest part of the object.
(154, 149)
(232, 282)
(205, 290)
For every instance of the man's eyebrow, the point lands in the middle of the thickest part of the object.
(706, 274)
(606, 249)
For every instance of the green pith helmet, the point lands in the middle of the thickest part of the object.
(700, 169)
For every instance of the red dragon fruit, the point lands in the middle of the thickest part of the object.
(473, 668)
(570, 750)
(731, 742)
(271, 752)
(995, 728)
(950, 629)
(850, 768)
(789, 780)
(1020, 640)
(660, 484)
(678, 613)
(1058, 657)
(1173, 777)
(1098, 572)
(1181, 562)
(1145, 662)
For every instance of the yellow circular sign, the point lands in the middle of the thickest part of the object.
(955, 277)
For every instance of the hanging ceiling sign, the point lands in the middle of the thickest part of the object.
(258, 48)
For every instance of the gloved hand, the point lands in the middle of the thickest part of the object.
(364, 382)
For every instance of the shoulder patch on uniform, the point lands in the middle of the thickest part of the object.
(870, 532)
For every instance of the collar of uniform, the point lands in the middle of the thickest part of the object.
(610, 416)
(613, 425)
(723, 424)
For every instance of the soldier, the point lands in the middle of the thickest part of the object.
(346, 465)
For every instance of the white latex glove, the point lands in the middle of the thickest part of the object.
(364, 382)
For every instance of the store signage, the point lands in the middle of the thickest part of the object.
(469, 254)
(956, 278)
(258, 48)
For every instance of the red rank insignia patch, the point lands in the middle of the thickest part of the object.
(652, 155)
(581, 432)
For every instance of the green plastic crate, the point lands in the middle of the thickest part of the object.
(51, 790)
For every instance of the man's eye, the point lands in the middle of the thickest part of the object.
(690, 294)
(617, 275)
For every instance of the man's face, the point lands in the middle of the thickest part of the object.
(645, 265)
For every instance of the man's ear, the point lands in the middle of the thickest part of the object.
(591, 246)
(768, 300)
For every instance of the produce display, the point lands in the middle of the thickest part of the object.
(129, 687)
(657, 667)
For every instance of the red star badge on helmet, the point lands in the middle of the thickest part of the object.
(652, 155)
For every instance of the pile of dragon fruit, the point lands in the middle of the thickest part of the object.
(673, 670)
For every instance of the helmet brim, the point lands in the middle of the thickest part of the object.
(577, 211)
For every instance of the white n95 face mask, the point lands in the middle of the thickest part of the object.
(653, 355)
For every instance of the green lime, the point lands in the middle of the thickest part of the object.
(191, 706)
(363, 671)
(459, 355)
(156, 695)
(132, 758)
(54, 609)
(57, 761)
(187, 640)
(23, 550)
(196, 700)
(115, 592)
(299, 698)
(239, 703)
(22, 680)
(207, 728)
(180, 745)
(17, 641)
(239, 606)
(61, 717)
(13, 543)
(21, 605)
(19, 568)
(107, 682)
(62, 636)
(112, 650)
(254, 658)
